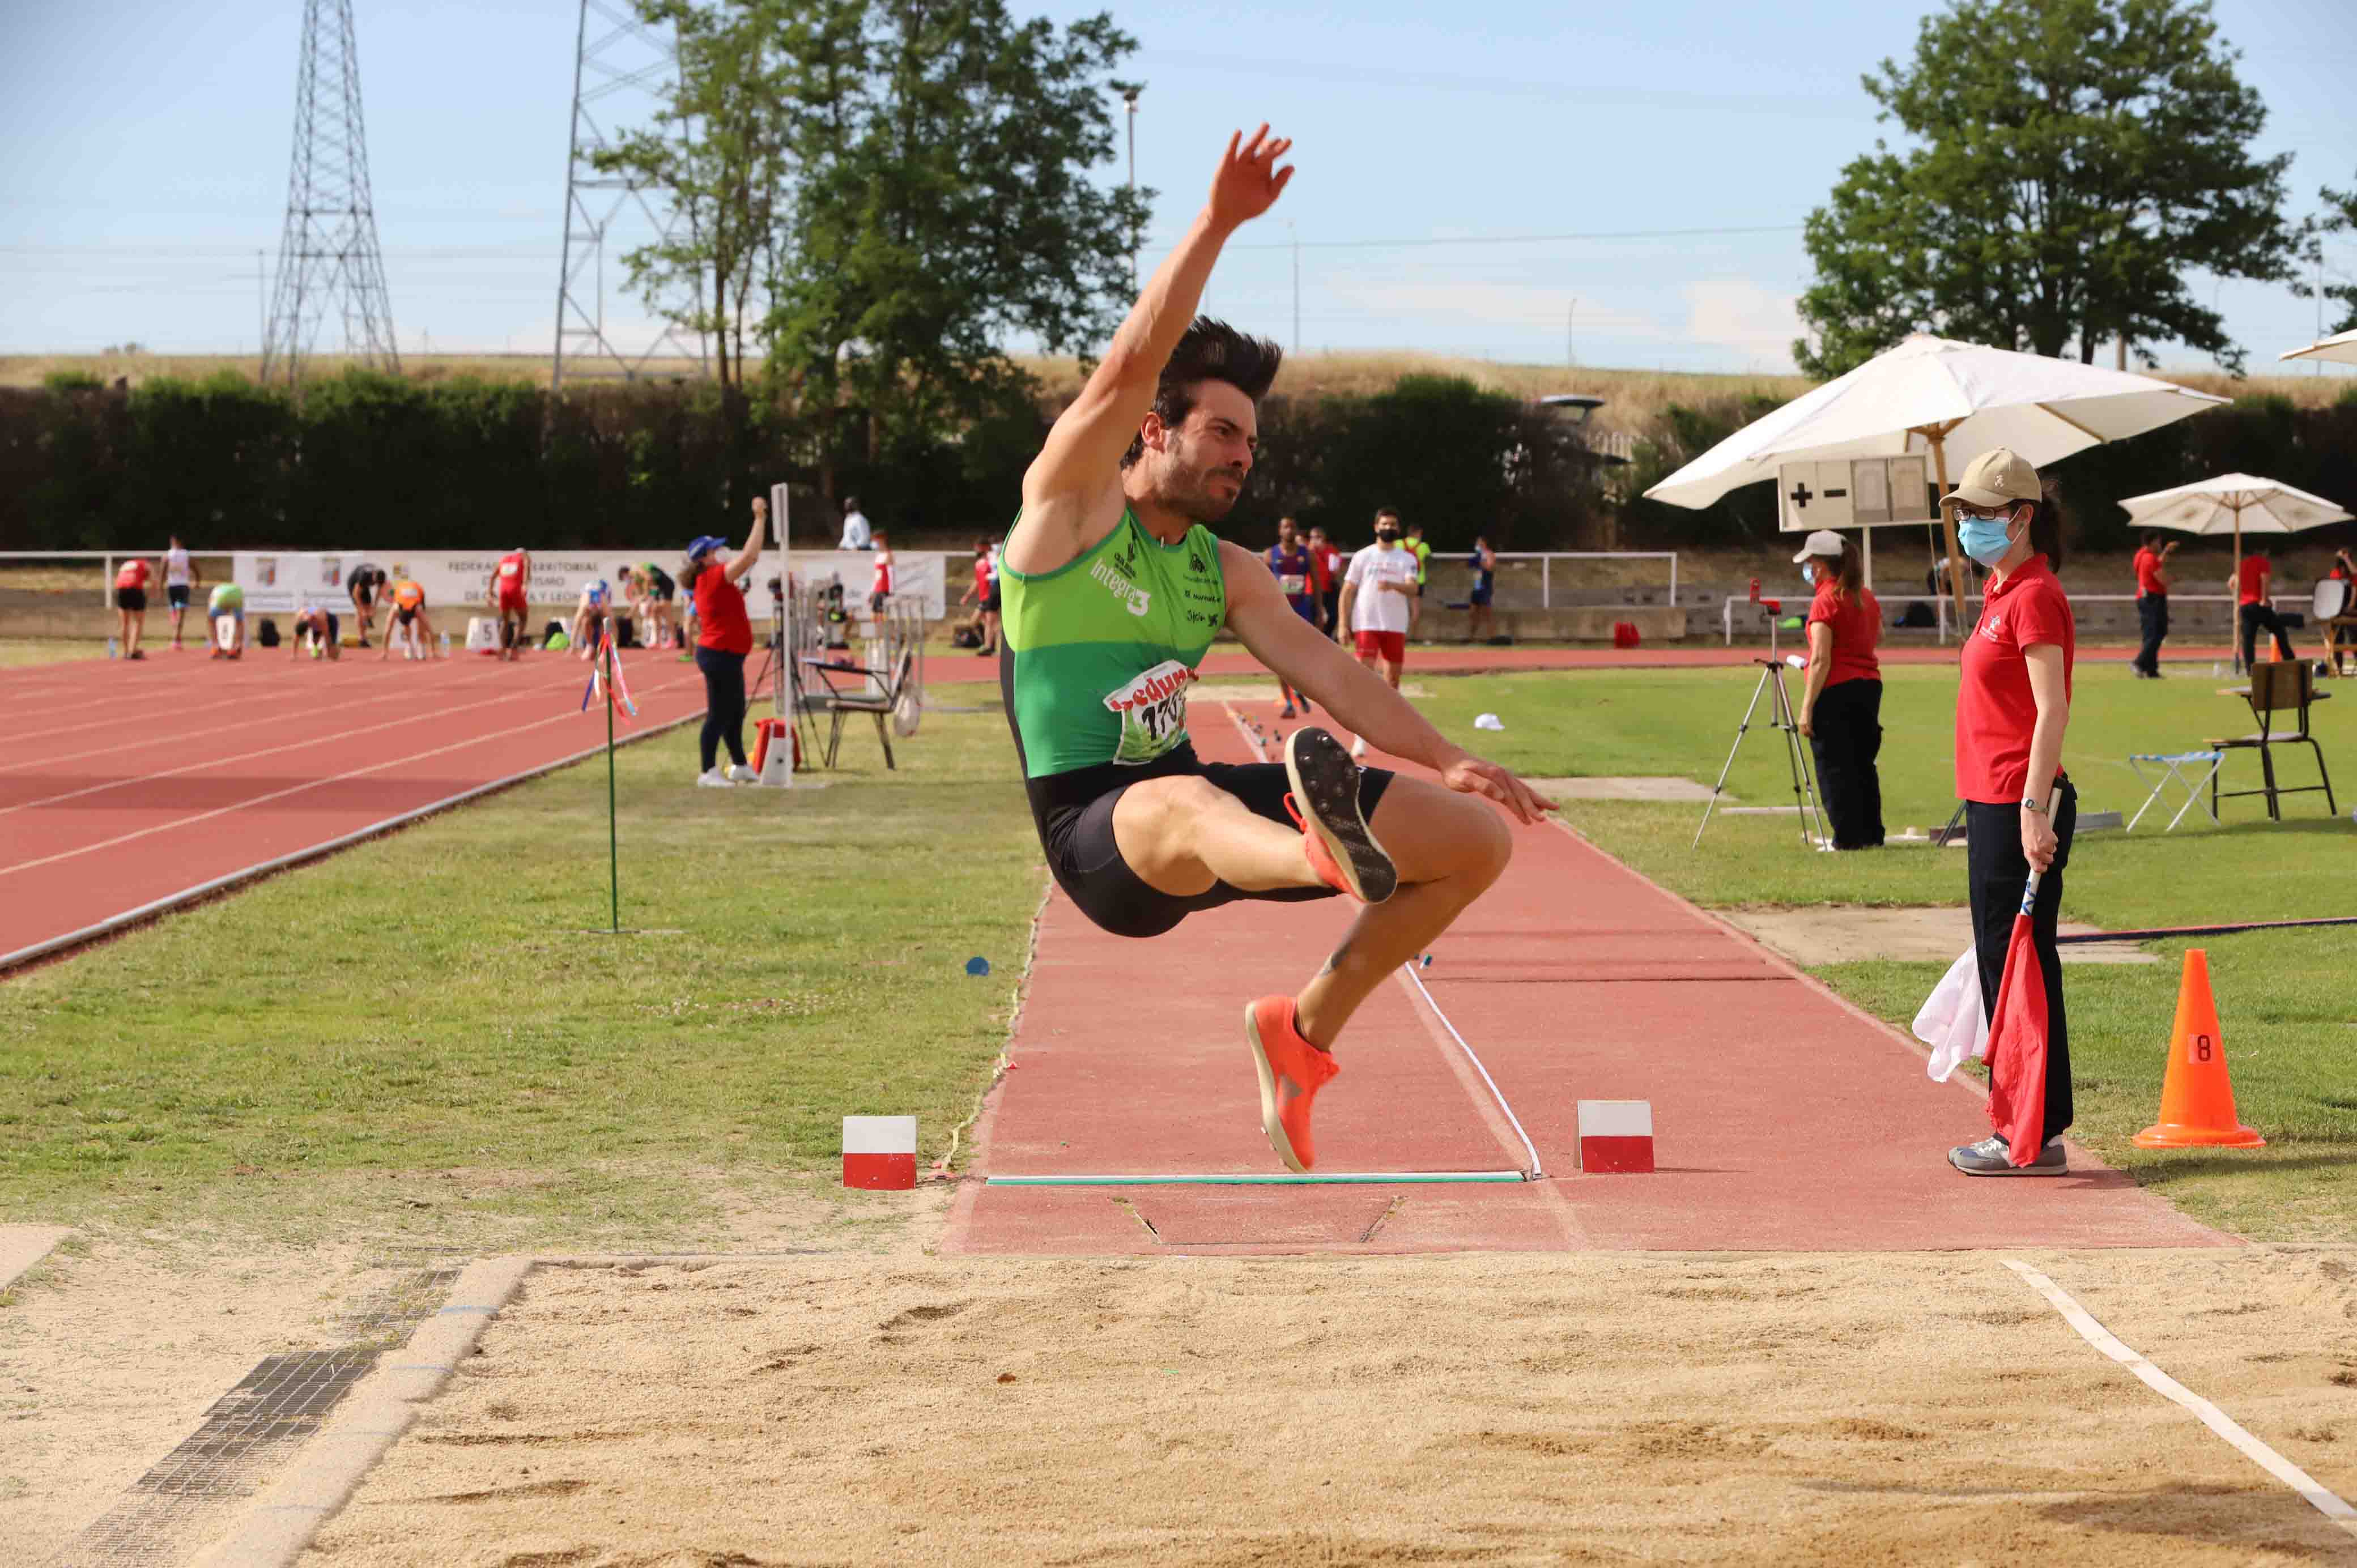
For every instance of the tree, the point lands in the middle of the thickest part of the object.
(2340, 217)
(941, 206)
(2077, 159)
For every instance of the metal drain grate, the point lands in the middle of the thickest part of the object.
(257, 1426)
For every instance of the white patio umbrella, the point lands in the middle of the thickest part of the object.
(2343, 349)
(2238, 503)
(1926, 393)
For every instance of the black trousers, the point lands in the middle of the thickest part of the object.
(724, 705)
(2152, 615)
(1846, 726)
(2256, 617)
(1999, 871)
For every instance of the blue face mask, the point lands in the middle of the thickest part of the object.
(1809, 573)
(1984, 538)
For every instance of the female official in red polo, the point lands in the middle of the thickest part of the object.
(721, 645)
(2011, 711)
(1841, 705)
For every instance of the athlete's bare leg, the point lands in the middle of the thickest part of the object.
(1181, 835)
(1449, 848)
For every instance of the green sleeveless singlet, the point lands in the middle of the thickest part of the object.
(1100, 651)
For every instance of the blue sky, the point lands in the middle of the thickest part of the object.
(146, 150)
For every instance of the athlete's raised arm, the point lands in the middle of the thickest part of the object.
(1302, 657)
(1078, 471)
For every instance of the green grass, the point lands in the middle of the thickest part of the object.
(2287, 1005)
(308, 1050)
(417, 1037)
(18, 652)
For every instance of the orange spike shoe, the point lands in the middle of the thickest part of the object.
(1292, 1071)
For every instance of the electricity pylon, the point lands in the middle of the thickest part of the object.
(624, 67)
(329, 263)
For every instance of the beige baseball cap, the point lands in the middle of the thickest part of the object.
(1824, 542)
(1996, 477)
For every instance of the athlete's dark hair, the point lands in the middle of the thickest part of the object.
(1211, 351)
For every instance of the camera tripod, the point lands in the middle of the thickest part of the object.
(1781, 717)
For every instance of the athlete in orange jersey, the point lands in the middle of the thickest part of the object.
(409, 617)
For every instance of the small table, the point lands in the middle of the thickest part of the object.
(2185, 766)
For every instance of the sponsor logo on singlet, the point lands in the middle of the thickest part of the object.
(1135, 599)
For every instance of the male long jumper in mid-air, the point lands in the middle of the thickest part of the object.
(1113, 586)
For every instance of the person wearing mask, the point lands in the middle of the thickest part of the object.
(2152, 603)
(721, 645)
(130, 606)
(1330, 563)
(180, 576)
(2257, 576)
(1415, 545)
(2013, 707)
(1841, 699)
(1481, 620)
(1376, 592)
(856, 534)
(1289, 561)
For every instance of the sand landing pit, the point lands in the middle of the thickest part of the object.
(1595, 1408)
(1849, 933)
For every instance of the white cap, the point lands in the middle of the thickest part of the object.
(1824, 542)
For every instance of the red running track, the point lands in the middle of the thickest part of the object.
(129, 786)
(1785, 1119)
(1462, 658)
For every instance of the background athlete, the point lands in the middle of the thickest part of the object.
(509, 594)
(1295, 575)
(1114, 588)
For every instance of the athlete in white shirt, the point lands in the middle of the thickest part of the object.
(1376, 594)
(856, 534)
(180, 574)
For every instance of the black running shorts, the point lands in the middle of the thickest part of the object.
(1074, 813)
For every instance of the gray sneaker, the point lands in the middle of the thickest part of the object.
(1992, 1157)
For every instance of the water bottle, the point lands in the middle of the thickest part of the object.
(446, 645)
(111, 651)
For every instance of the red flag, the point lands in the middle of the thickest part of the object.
(2017, 1042)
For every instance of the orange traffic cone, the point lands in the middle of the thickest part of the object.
(2197, 1100)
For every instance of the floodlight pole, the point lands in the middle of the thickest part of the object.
(1129, 91)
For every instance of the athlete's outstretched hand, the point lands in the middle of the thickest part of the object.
(1471, 775)
(1248, 181)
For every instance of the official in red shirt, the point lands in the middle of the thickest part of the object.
(2012, 708)
(2152, 603)
(2253, 608)
(725, 638)
(1841, 703)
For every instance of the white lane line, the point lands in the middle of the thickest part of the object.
(401, 761)
(406, 719)
(295, 713)
(2318, 1495)
(1529, 1148)
(273, 685)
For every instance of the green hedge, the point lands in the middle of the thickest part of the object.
(368, 458)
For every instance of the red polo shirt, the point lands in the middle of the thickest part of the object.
(2254, 568)
(2147, 573)
(720, 611)
(1857, 621)
(1994, 710)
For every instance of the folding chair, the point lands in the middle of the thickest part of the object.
(840, 705)
(2277, 686)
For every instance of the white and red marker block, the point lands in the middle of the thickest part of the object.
(1616, 1136)
(879, 1153)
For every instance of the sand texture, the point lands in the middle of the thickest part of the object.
(1469, 1408)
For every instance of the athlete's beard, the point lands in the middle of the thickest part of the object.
(1193, 492)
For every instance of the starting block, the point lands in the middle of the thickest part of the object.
(879, 1153)
(1616, 1136)
(482, 635)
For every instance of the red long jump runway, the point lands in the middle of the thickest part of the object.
(131, 787)
(1460, 658)
(1785, 1119)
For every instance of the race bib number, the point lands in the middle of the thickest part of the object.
(1152, 710)
(1294, 583)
